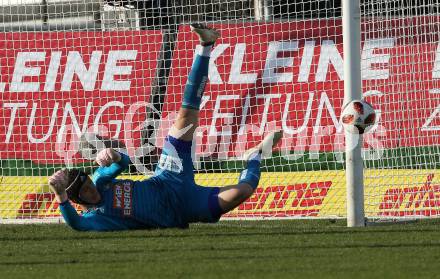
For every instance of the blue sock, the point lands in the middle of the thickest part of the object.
(197, 79)
(251, 175)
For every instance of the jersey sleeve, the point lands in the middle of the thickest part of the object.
(104, 175)
(89, 221)
(73, 219)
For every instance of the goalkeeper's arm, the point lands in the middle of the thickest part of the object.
(86, 222)
(58, 183)
(112, 163)
(74, 220)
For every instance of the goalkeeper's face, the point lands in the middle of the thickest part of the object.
(80, 188)
(88, 193)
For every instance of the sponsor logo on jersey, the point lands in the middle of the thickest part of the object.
(170, 163)
(123, 197)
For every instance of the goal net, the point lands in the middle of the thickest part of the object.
(401, 70)
(80, 76)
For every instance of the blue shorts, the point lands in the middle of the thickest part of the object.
(175, 170)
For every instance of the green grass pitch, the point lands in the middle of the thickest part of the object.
(230, 249)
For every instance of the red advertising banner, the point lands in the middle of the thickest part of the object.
(290, 75)
(58, 84)
(262, 76)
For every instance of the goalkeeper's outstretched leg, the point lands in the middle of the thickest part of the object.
(224, 199)
(231, 196)
(188, 115)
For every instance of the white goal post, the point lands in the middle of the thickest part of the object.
(117, 69)
(351, 25)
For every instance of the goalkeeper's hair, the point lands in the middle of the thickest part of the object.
(76, 179)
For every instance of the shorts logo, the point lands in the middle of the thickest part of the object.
(243, 174)
(170, 163)
(123, 197)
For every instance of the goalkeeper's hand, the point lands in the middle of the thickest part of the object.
(58, 182)
(107, 156)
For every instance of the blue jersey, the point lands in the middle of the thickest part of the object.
(170, 198)
(127, 204)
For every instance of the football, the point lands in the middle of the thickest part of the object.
(358, 117)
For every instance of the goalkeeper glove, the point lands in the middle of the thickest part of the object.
(58, 181)
(107, 156)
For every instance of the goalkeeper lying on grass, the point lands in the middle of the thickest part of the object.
(171, 197)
